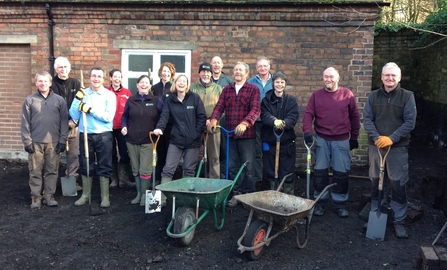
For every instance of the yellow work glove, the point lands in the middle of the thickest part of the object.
(240, 129)
(279, 124)
(212, 126)
(80, 94)
(85, 108)
(383, 142)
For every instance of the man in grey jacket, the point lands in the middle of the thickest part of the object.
(388, 118)
(44, 130)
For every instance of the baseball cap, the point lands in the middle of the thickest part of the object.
(205, 66)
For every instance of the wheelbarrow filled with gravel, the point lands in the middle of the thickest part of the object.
(189, 195)
(273, 210)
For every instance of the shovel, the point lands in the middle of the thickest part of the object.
(153, 197)
(68, 183)
(377, 220)
(308, 159)
(278, 146)
(205, 155)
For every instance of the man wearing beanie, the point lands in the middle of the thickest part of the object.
(209, 92)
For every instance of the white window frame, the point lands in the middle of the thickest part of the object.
(126, 74)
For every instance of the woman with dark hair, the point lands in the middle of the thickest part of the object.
(186, 111)
(140, 117)
(279, 114)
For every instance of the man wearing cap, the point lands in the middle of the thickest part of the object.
(209, 92)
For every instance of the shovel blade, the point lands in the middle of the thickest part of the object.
(68, 185)
(153, 201)
(376, 225)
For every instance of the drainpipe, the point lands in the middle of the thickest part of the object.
(51, 23)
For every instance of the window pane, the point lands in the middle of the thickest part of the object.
(140, 63)
(132, 85)
(177, 60)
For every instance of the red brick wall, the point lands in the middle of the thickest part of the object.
(15, 85)
(299, 40)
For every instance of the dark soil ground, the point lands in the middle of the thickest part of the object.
(66, 237)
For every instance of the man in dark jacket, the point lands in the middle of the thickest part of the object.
(66, 87)
(389, 117)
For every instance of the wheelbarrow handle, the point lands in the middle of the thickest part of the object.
(324, 190)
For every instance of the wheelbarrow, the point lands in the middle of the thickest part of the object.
(194, 193)
(273, 210)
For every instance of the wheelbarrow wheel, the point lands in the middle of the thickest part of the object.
(185, 217)
(256, 232)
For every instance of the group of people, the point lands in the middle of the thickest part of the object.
(258, 114)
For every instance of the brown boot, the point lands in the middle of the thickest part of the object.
(50, 201)
(36, 202)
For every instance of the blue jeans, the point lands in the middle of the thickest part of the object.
(242, 150)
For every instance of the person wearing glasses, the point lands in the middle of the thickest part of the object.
(388, 118)
(99, 106)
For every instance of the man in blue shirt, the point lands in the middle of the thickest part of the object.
(263, 80)
(99, 106)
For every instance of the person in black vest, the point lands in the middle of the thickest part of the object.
(388, 118)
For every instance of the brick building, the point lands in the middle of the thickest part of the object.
(301, 38)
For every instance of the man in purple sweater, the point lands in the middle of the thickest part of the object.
(336, 119)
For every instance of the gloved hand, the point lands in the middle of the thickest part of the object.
(158, 132)
(240, 129)
(383, 142)
(80, 94)
(60, 147)
(30, 148)
(353, 144)
(211, 127)
(279, 124)
(85, 108)
(308, 137)
(124, 131)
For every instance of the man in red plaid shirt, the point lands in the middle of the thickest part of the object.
(241, 103)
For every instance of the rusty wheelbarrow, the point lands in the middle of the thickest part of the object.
(273, 209)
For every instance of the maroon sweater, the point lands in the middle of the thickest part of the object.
(334, 114)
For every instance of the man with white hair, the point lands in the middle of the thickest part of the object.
(66, 87)
(388, 118)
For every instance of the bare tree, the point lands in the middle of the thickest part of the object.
(412, 11)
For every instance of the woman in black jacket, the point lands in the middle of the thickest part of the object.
(279, 114)
(140, 116)
(186, 111)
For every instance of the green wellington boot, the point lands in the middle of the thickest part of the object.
(86, 189)
(138, 186)
(104, 184)
(145, 183)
